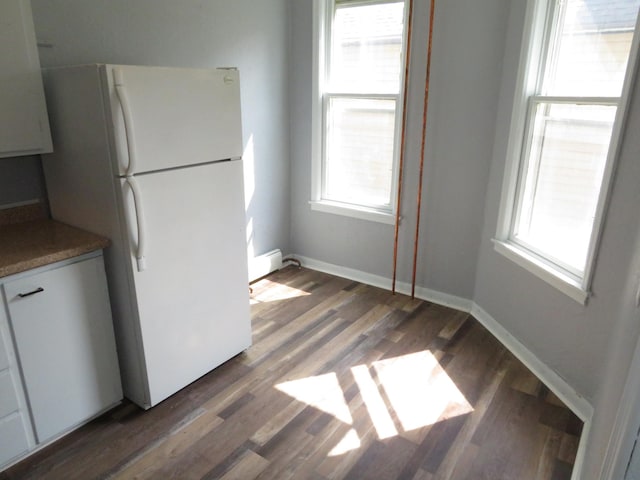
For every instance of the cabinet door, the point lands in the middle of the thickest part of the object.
(24, 125)
(65, 345)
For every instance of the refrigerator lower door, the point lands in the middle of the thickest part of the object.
(192, 297)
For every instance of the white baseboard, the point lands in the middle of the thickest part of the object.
(576, 402)
(433, 296)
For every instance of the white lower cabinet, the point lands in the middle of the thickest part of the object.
(16, 436)
(64, 348)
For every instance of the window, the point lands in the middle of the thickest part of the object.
(565, 128)
(358, 107)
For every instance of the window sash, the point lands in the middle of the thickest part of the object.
(328, 92)
(358, 3)
(386, 206)
(525, 162)
(329, 62)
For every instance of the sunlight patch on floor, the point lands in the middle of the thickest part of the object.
(420, 391)
(350, 442)
(276, 292)
(414, 387)
(322, 392)
(377, 409)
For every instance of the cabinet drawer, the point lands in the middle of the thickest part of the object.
(4, 355)
(16, 434)
(13, 437)
(8, 395)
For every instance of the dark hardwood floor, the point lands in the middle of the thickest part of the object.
(343, 381)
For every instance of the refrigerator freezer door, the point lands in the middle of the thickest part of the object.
(193, 297)
(171, 117)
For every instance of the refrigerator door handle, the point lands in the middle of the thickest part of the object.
(139, 220)
(118, 81)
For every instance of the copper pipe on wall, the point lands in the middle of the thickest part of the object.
(402, 144)
(424, 133)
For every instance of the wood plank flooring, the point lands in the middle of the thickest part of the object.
(344, 381)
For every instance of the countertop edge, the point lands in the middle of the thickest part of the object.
(44, 260)
(44, 251)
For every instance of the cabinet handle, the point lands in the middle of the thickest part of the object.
(37, 290)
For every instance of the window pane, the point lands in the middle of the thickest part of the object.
(563, 179)
(359, 160)
(366, 48)
(590, 54)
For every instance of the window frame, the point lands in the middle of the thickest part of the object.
(322, 22)
(540, 24)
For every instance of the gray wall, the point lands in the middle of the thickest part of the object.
(464, 89)
(250, 35)
(21, 180)
(475, 60)
(590, 346)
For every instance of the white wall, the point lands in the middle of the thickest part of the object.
(466, 67)
(250, 35)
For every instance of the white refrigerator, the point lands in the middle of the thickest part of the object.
(151, 158)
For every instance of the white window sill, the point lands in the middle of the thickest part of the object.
(353, 211)
(553, 277)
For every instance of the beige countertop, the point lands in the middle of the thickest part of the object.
(31, 244)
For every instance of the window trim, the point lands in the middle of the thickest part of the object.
(322, 11)
(563, 268)
(539, 18)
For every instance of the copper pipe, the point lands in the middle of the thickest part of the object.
(402, 138)
(424, 133)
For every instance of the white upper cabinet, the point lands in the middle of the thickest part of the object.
(24, 125)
